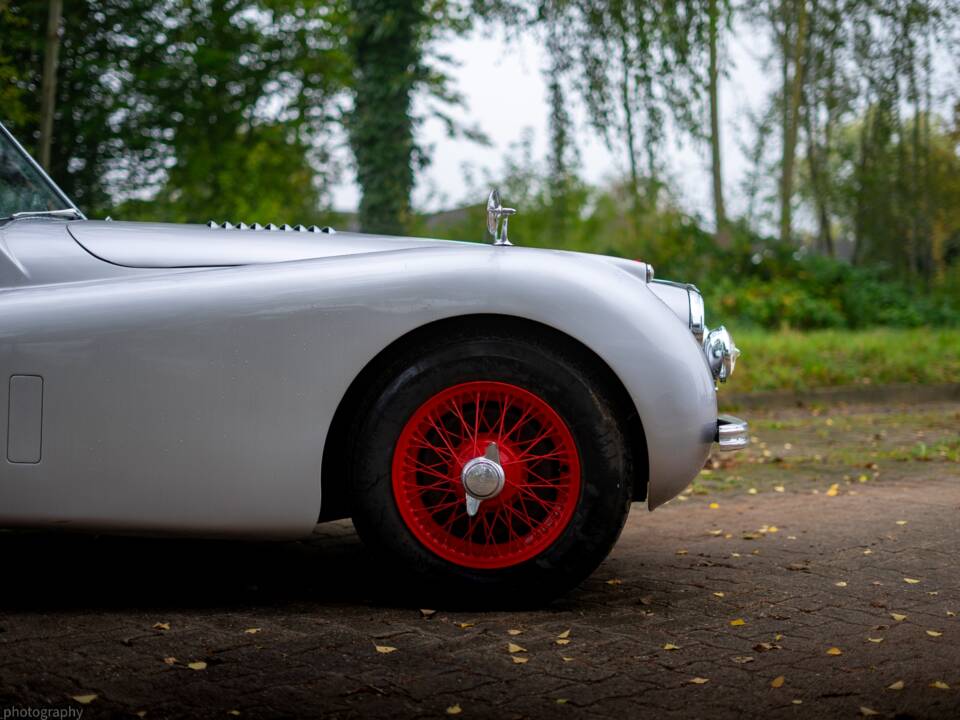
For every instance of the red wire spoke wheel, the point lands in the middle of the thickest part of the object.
(538, 457)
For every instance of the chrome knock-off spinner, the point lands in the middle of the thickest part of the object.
(483, 478)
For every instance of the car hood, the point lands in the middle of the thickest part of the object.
(167, 245)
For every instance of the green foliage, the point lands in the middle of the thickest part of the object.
(385, 42)
(758, 282)
(176, 100)
(798, 361)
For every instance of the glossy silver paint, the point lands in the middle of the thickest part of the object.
(190, 374)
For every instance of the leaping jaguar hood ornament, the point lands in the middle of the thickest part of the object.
(496, 212)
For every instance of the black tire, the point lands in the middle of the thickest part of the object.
(570, 383)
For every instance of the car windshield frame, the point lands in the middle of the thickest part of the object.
(36, 174)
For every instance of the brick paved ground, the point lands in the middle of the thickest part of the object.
(805, 568)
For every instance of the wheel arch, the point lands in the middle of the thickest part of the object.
(333, 469)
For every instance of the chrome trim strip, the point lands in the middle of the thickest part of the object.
(732, 433)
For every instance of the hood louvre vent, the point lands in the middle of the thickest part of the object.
(213, 225)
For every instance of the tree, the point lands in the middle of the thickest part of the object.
(206, 107)
(48, 89)
(713, 91)
(634, 72)
(385, 41)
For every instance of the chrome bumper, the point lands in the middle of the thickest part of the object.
(732, 433)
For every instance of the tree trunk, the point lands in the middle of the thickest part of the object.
(48, 88)
(792, 118)
(818, 182)
(626, 101)
(384, 42)
(719, 210)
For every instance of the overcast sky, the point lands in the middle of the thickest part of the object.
(505, 94)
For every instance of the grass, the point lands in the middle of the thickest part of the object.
(811, 450)
(791, 360)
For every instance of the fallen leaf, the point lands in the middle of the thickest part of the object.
(252, 631)
(614, 581)
(875, 640)
(233, 712)
(939, 685)
(161, 626)
(934, 633)
(514, 648)
(671, 646)
(564, 634)
(765, 647)
(834, 490)
(426, 613)
(742, 659)
(170, 660)
(840, 584)
(698, 681)
(867, 712)
(719, 594)
(714, 506)
(566, 659)
(518, 660)
(868, 551)
(562, 641)
(778, 681)
(143, 713)
(681, 552)
(738, 622)
(910, 581)
(779, 488)
(561, 701)
(834, 651)
(514, 632)
(778, 637)
(197, 665)
(716, 532)
(901, 522)
(752, 491)
(85, 699)
(951, 613)
(464, 626)
(898, 617)
(797, 702)
(385, 649)
(454, 710)
(898, 685)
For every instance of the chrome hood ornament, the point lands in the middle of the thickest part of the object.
(496, 211)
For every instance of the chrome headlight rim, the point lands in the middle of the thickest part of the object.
(697, 313)
(721, 353)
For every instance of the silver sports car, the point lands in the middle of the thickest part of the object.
(485, 413)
